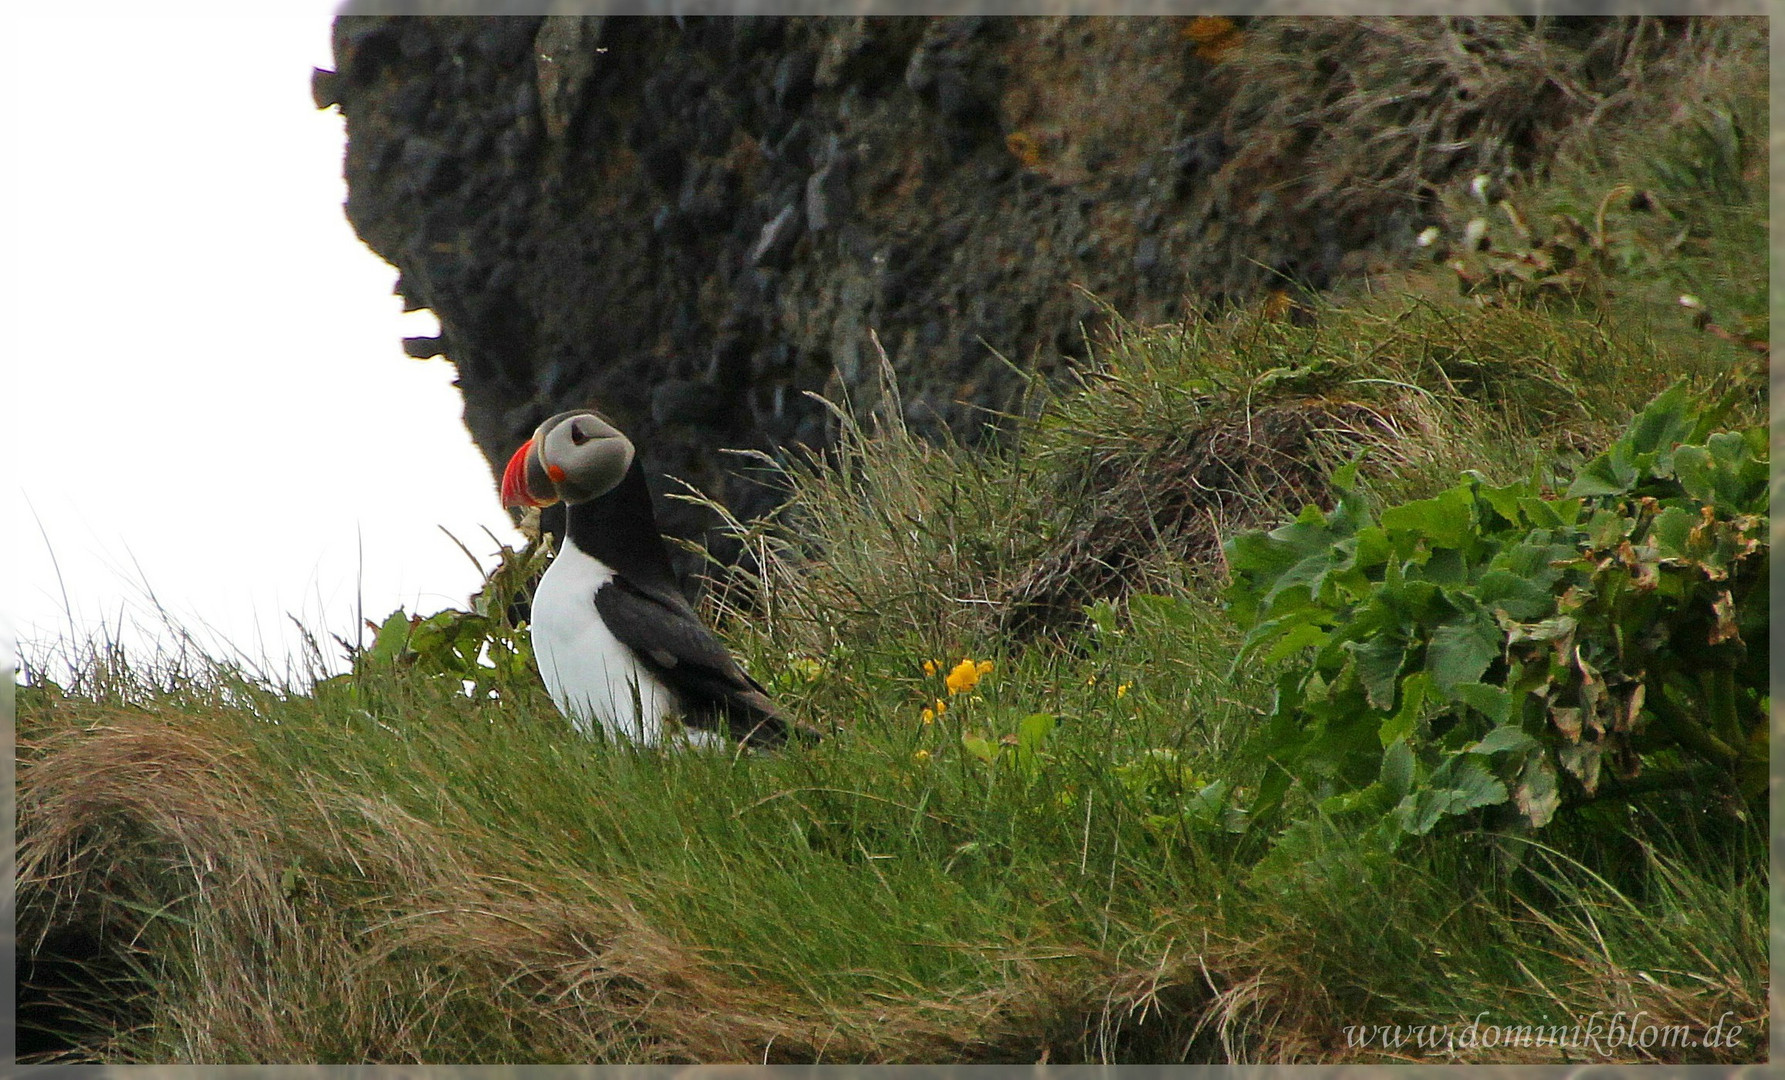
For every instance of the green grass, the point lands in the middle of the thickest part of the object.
(434, 879)
(383, 868)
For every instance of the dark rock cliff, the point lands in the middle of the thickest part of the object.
(693, 222)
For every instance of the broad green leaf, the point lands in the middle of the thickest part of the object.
(392, 638)
(1262, 563)
(1458, 786)
(1351, 515)
(1722, 473)
(979, 746)
(1307, 575)
(1399, 727)
(1696, 472)
(1538, 795)
(1503, 739)
(1104, 618)
(1268, 554)
(1206, 807)
(1304, 636)
(1370, 548)
(1517, 595)
(1379, 662)
(1507, 501)
(1465, 775)
(1551, 513)
(1490, 701)
(1608, 474)
(1446, 567)
(1445, 520)
(1607, 528)
(1376, 797)
(1665, 421)
(1671, 532)
(1344, 744)
(1747, 472)
(1417, 812)
(1475, 786)
(1397, 769)
(1461, 650)
(1271, 790)
(1577, 595)
(1644, 447)
(1033, 730)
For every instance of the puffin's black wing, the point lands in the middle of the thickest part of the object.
(668, 636)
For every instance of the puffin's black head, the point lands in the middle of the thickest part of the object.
(574, 456)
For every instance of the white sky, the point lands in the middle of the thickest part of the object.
(207, 395)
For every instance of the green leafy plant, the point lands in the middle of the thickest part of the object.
(1175, 799)
(482, 647)
(1504, 646)
(1021, 750)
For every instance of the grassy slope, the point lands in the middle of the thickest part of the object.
(388, 870)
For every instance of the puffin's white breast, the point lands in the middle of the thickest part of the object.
(592, 676)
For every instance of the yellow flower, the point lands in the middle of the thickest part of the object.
(929, 667)
(921, 756)
(966, 675)
(930, 714)
(1122, 690)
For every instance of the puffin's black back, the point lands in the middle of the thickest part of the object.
(620, 529)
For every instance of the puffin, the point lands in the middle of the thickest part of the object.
(617, 643)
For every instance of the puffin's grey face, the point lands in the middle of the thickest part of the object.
(574, 456)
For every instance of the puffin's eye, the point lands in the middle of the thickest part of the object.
(576, 434)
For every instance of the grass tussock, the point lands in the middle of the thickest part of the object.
(1175, 438)
(1026, 838)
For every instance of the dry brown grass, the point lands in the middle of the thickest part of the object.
(330, 924)
(1373, 109)
(1179, 498)
(133, 812)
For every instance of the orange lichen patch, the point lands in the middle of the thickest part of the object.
(1024, 147)
(1215, 36)
(1277, 305)
(1204, 29)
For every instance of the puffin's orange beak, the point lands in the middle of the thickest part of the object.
(515, 490)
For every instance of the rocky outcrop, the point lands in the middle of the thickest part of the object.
(695, 223)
